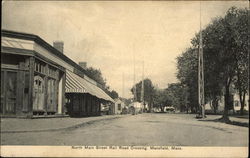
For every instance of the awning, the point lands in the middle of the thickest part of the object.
(77, 84)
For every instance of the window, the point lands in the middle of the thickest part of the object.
(53, 72)
(119, 107)
(236, 103)
(40, 66)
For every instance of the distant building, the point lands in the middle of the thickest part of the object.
(234, 101)
(135, 107)
(118, 106)
(38, 79)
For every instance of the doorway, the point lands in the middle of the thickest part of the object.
(38, 94)
(8, 92)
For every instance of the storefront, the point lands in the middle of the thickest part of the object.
(35, 76)
(31, 84)
(83, 98)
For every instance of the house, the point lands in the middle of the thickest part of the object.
(118, 106)
(235, 104)
(135, 108)
(38, 79)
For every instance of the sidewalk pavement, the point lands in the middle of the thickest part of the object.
(17, 125)
(234, 120)
(238, 119)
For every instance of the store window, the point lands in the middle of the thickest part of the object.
(40, 67)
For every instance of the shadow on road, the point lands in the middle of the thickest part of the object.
(236, 123)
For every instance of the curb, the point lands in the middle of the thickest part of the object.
(64, 128)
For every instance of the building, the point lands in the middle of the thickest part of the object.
(83, 98)
(38, 79)
(118, 106)
(235, 104)
(135, 108)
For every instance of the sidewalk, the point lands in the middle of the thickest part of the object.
(235, 120)
(238, 119)
(15, 125)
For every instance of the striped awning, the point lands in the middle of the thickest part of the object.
(77, 84)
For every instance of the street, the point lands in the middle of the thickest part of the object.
(142, 129)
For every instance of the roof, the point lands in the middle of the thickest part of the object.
(88, 87)
(77, 84)
(40, 41)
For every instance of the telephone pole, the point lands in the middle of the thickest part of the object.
(142, 88)
(123, 84)
(135, 97)
(201, 75)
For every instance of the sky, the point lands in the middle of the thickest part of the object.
(112, 36)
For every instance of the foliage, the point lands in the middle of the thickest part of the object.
(161, 99)
(187, 66)
(113, 94)
(96, 75)
(225, 46)
(148, 91)
(178, 94)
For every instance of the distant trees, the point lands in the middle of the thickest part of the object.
(148, 91)
(178, 94)
(113, 94)
(96, 75)
(175, 95)
(187, 73)
(226, 59)
(162, 98)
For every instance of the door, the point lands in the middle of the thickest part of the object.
(10, 92)
(38, 94)
(52, 99)
(2, 93)
(88, 105)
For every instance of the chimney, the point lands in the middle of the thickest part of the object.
(58, 45)
(83, 65)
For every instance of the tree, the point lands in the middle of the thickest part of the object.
(228, 37)
(187, 73)
(225, 46)
(178, 94)
(161, 99)
(96, 74)
(241, 35)
(148, 91)
(127, 101)
(113, 94)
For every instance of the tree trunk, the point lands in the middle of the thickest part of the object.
(242, 96)
(225, 117)
(162, 109)
(242, 103)
(215, 111)
(203, 111)
(215, 105)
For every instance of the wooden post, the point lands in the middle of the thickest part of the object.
(31, 84)
(201, 96)
(20, 88)
(46, 88)
(5, 89)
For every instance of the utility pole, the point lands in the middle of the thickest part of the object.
(201, 75)
(142, 88)
(123, 84)
(135, 97)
